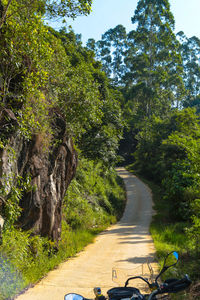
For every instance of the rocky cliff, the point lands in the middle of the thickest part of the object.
(51, 171)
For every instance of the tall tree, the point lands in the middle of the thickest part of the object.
(110, 50)
(116, 40)
(153, 59)
(190, 50)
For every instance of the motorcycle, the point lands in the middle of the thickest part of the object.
(170, 285)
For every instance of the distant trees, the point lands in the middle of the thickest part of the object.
(147, 60)
(190, 52)
(155, 70)
(169, 155)
(153, 61)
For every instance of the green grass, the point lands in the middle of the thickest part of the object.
(94, 201)
(168, 236)
(25, 259)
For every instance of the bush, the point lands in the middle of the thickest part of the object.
(94, 198)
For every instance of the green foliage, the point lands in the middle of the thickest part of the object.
(25, 50)
(94, 200)
(90, 106)
(111, 51)
(153, 58)
(42, 70)
(49, 8)
(169, 237)
(10, 279)
(167, 152)
(190, 53)
(172, 236)
(101, 142)
(11, 192)
(146, 61)
(26, 259)
(193, 232)
(94, 197)
(68, 8)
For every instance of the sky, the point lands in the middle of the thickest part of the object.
(107, 14)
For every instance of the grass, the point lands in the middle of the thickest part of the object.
(30, 258)
(168, 236)
(94, 201)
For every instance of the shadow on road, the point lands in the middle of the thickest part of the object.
(139, 259)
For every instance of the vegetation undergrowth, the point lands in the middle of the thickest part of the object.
(172, 236)
(94, 200)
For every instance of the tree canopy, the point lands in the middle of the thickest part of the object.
(42, 69)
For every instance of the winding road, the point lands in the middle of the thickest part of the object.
(125, 245)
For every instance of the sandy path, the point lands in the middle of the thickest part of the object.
(125, 244)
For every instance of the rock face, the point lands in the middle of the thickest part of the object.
(51, 172)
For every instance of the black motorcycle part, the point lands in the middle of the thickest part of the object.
(124, 292)
(176, 285)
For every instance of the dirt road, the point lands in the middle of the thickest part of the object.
(125, 245)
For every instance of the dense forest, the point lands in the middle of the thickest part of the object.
(131, 98)
(158, 74)
(57, 107)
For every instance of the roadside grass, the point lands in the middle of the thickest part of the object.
(94, 201)
(71, 243)
(167, 237)
(28, 260)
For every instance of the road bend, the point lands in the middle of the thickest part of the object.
(126, 245)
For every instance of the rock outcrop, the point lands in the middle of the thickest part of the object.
(50, 171)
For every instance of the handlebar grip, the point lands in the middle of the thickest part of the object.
(176, 285)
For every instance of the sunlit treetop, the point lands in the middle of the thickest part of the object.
(49, 8)
(68, 8)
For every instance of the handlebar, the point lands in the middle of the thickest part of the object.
(172, 286)
(176, 285)
(136, 277)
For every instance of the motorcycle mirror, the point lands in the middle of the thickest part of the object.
(171, 259)
(73, 297)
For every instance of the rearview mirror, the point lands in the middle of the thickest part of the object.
(171, 259)
(73, 297)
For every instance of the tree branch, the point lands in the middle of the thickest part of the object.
(3, 18)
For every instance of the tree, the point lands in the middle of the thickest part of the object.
(90, 106)
(115, 40)
(101, 141)
(50, 8)
(68, 8)
(24, 51)
(103, 53)
(153, 61)
(190, 50)
(168, 154)
(110, 50)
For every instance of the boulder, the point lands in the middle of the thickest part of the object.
(51, 171)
